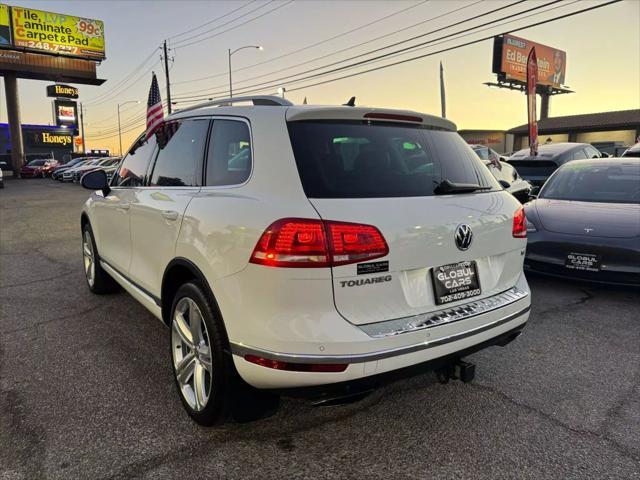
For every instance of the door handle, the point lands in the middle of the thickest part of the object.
(123, 206)
(170, 214)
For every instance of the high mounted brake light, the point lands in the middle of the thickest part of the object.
(305, 243)
(393, 116)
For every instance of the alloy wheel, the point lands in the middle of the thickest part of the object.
(191, 351)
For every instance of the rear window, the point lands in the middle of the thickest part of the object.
(534, 168)
(595, 183)
(361, 160)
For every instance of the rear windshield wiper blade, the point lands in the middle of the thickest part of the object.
(447, 186)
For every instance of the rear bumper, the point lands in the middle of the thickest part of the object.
(366, 384)
(629, 279)
(475, 333)
(620, 258)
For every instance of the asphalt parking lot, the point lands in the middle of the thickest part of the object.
(86, 389)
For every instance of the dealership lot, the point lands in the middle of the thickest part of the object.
(86, 389)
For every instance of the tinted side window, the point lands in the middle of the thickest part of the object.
(229, 158)
(180, 152)
(592, 152)
(578, 154)
(133, 168)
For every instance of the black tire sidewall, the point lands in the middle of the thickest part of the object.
(102, 282)
(218, 407)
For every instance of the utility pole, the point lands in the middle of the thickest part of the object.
(166, 72)
(230, 83)
(15, 125)
(82, 127)
(443, 101)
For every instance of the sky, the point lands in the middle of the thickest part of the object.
(603, 56)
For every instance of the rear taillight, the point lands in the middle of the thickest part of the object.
(296, 242)
(519, 224)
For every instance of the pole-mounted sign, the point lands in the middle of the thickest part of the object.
(62, 91)
(532, 80)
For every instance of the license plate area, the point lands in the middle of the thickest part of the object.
(586, 262)
(455, 281)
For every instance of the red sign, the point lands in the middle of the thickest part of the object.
(532, 81)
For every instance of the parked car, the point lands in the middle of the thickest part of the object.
(38, 168)
(67, 175)
(504, 173)
(99, 164)
(1, 179)
(57, 172)
(550, 156)
(585, 223)
(112, 169)
(351, 243)
(633, 151)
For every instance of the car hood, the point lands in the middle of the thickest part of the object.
(592, 219)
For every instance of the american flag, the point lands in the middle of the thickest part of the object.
(155, 114)
(495, 160)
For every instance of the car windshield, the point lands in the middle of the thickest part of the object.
(588, 182)
(36, 163)
(482, 152)
(343, 159)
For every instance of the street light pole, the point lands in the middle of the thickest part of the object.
(119, 128)
(231, 52)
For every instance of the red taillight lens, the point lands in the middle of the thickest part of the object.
(296, 242)
(519, 224)
(296, 367)
(352, 242)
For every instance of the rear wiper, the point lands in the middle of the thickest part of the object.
(447, 186)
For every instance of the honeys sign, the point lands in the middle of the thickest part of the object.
(56, 33)
(49, 139)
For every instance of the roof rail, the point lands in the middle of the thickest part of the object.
(263, 100)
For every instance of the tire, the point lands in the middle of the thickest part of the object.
(98, 281)
(204, 376)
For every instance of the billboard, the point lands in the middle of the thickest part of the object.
(65, 112)
(5, 26)
(56, 33)
(510, 55)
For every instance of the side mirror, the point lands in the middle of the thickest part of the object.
(504, 184)
(96, 180)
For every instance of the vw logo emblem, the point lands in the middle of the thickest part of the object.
(463, 236)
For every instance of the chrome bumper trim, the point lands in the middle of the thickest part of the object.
(398, 326)
(242, 350)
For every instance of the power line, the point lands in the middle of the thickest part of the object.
(212, 20)
(571, 14)
(124, 80)
(282, 5)
(331, 54)
(291, 78)
(425, 55)
(313, 45)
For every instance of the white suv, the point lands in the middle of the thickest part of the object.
(320, 247)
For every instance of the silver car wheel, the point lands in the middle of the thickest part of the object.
(191, 352)
(89, 258)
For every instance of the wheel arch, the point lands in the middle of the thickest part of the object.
(178, 272)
